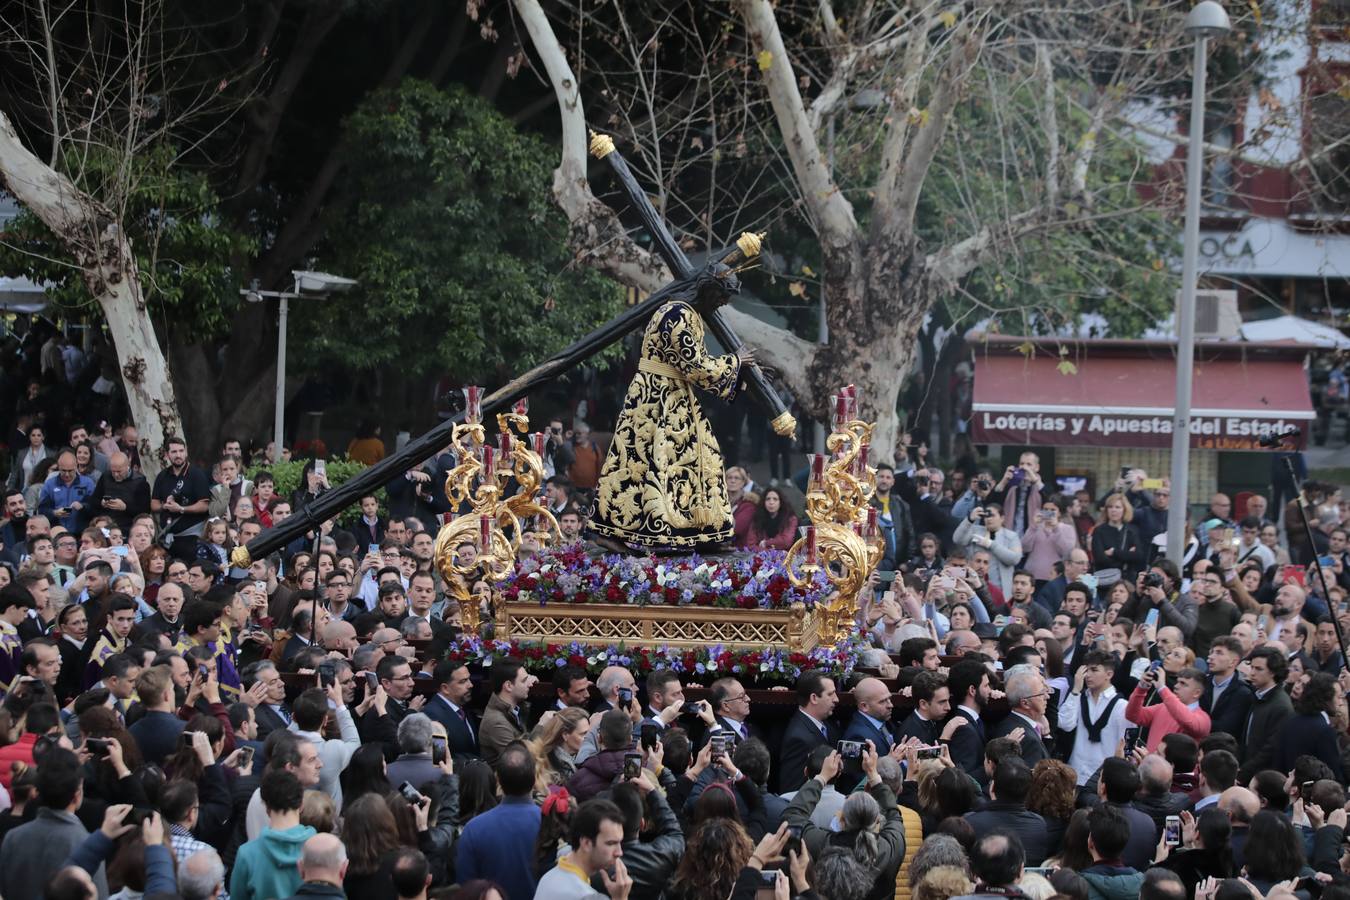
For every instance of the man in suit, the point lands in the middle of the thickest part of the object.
(731, 709)
(1270, 707)
(809, 727)
(665, 698)
(272, 713)
(571, 687)
(1227, 698)
(872, 720)
(932, 702)
(450, 706)
(968, 684)
(1027, 696)
(1007, 809)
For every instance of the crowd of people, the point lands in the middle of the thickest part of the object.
(1047, 705)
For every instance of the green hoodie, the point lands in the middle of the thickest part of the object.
(266, 867)
(1104, 883)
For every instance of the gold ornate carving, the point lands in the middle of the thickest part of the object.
(844, 551)
(496, 524)
(658, 626)
(785, 425)
(602, 145)
(749, 243)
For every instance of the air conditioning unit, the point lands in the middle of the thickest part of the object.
(1216, 315)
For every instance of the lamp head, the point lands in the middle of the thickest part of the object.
(1207, 19)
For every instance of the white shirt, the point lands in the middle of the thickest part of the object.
(1087, 757)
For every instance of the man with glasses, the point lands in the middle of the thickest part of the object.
(731, 709)
(338, 595)
(394, 700)
(65, 495)
(1027, 697)
(121, 494)
(1250, 546)
(177, 572)
(1215, 613)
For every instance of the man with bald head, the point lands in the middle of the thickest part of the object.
(122, 494)
(961, 642)
(323, 866)
(872, 721)
(168, 618)
(339, 635)
(1286, 611)
(1241, 805)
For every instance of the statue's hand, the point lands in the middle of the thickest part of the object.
(746, 354)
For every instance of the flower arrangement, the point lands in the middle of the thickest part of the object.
(764, 665)
(755, 580)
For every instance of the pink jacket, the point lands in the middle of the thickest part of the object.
(1044, 550)
(1167, 717)
(783, 540)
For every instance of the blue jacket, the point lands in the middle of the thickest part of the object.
(56, 494)
(499, 845)
(860, 729)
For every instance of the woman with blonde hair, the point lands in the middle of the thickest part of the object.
(743, 502)
(1115, 541)
(930, 807)
(943, 883)
(554, 745)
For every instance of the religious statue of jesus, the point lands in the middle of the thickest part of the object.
(662, 488)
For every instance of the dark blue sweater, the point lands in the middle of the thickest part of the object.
(499, 845)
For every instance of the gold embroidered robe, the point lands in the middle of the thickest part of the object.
(662, 483)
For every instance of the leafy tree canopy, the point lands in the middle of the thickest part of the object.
(458, 248)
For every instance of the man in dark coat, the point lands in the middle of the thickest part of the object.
(1007, 809)
(1270, 707)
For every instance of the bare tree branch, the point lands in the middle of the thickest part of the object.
(830, 209)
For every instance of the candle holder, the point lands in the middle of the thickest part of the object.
(843, 540)
(495, 522)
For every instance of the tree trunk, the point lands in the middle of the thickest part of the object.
(93, 236)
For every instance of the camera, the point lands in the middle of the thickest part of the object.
(850, 749)
(928, 753)
(1152, 579)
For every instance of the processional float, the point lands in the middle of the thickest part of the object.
(843, 542)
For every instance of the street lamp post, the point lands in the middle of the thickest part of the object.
(307, 284)
(1206, 20)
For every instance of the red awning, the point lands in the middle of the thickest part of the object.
(1127, 401)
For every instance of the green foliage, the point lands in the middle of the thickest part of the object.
(457, 245)
(289, 476)
(182, 248)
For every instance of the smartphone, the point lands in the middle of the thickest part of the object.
(928, 753)
(1305, 790)
(372, 548)
(121, 550)
(245, 757)
(1043, 871)
(1297, 574)
(320, 468)
(794, 841)
(632, 766)
(719, 744)
(625, 695)
(1131, 739)
(957, 571)
(769, 877)
(1155, 666)
(693, 708)
(886, 577)
(372, 681)
(327, 673)
(410, 793)
(438, 749)
(1151, 619)
(97, 747)
(649, 736)
(261, 585)
(850, 749)
(185, 739)
(1326, 562)
(1172, 831)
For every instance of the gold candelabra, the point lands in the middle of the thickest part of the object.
(843, 540)
(496, 523)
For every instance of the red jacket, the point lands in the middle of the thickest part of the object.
(19, 751)
(1167, 717)
(783, 540)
